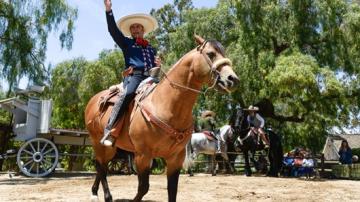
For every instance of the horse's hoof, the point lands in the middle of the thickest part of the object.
(214, 174)
(108, 198)
(94, 198)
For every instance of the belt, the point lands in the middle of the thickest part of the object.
(140, 72)
(133, 71)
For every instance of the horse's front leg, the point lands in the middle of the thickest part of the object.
(247, 164)
(143, 163)
(174, 165)
(252, 159)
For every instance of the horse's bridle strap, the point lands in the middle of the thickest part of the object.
(212, 67)
(178, 135)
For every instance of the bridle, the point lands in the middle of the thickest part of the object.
(213, 71)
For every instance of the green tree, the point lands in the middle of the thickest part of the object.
(73, 83)
(24, 28)
(23, 34)
(297, 60)
(169, 17)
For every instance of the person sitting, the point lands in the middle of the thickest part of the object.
(140, 58)
(257, 123)
(207, 123)
(345, 153)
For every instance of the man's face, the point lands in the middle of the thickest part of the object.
(252, 113)
(137, 30)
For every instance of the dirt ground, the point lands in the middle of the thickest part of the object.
(202, 187)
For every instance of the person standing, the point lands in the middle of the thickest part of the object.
(345, 153)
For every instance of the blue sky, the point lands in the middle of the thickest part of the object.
(91, 35)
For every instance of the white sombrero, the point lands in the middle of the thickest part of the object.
(253, 108)
(149, 23)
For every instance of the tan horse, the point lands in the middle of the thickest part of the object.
(161, 125)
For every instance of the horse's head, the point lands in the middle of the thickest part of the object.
(211, 65)
(238, 119)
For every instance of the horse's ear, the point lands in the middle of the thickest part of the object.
(199, 40)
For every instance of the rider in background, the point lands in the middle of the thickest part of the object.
(208, 123)
(257, 123)
(140, 58)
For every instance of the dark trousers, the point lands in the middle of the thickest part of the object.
(131, 83)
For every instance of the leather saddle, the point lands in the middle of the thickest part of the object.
(209, 135)
(113, 94)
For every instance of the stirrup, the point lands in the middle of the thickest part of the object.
(107, 140)
(218, 151)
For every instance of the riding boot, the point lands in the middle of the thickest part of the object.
(265, 141)
(116, 113)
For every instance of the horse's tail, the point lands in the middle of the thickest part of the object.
(188, 161)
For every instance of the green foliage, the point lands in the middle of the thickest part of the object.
(298, 60)
(73, 83)
(24, 29)
(355, 151)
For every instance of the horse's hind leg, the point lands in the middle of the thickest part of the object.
(102, 172)
(213, 165)
(103, 156)
(143, 169)
(95, 187)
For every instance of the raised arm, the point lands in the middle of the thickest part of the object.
(115, 33)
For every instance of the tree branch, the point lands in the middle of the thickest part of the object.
(266, 109)
(279, 48)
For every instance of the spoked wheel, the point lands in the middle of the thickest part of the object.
(37, 157)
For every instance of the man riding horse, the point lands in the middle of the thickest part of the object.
(207, 124)
(257, 123)
(139, 56)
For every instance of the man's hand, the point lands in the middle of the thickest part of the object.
(157, 61)
(107, 5)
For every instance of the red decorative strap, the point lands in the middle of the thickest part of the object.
(178, 135)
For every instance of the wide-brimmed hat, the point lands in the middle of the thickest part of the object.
(208, 113)
(253, 108)
(147, 21)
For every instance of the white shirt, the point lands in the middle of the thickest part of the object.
(257, 121)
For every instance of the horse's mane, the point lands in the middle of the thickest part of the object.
(236, 116)
(218, 46)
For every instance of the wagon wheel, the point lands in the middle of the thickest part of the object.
(37, 157)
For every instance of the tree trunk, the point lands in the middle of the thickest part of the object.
(4, 140)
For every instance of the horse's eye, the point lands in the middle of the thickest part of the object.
(211, 55)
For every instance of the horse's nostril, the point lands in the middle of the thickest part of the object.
(233, 79)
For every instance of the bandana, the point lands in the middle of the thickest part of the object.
(142, 42)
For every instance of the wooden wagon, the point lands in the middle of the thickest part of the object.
(38, 156)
